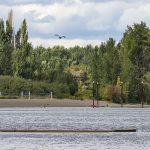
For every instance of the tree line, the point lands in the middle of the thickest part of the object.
(108, 63)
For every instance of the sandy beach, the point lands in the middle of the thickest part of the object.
(60, 103)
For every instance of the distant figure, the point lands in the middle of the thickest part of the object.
(60, 37)
(46, 105)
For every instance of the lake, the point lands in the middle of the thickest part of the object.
(75, 118)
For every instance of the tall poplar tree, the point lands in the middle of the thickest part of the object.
(2, 45)
(9, 45)
(22, 54)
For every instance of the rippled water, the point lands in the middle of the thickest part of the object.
(75, 118)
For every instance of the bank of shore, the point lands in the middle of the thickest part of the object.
(60, 103)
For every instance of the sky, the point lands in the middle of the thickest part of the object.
(81, 21)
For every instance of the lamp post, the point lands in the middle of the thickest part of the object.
(93, 93)
(97, 92)
(142, 94)
(121, 93)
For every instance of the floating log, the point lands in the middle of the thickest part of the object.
(66, 131)
(125, 130)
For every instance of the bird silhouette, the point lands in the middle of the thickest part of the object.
(60, 37)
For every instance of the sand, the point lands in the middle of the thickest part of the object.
(60, 103)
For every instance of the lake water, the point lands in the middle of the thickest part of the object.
(75, 118)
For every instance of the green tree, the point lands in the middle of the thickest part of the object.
(147, 87)
(135, 53)
(9, 45)
(2, 45)
(6, 45)
(22, 53)
(110, 61)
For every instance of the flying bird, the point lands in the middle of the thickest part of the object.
(60, 37)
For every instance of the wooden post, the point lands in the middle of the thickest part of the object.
(97, 94)
(121, 93)
(142, 94)
(93, 94)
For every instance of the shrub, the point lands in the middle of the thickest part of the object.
(111, 93)
(15, 85)
(84, 94)
(12, 85)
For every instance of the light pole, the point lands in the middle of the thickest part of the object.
(93, 93)
(142, 94)
(97, 92)
(121, 93)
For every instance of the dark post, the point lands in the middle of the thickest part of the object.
(142, 94)
(121, 93)
(93, 93)
(97, 93)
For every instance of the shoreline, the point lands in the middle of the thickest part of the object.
(6, 103)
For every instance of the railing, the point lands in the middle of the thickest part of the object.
(26, 95)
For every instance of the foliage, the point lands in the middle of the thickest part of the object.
(83, 94)
(135, 58)
(71, 71)
(13, 86)
(147, 87)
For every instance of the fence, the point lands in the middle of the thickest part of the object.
(26, 95)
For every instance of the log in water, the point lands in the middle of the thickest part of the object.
(67, 131)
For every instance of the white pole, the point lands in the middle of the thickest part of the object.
(0, 93)
(22, 94)
(29, 95)
(51, 95)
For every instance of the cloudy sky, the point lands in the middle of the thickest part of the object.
(82, 21)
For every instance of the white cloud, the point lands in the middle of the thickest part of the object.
(63, 42)
(78, 19)
(134, 15)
